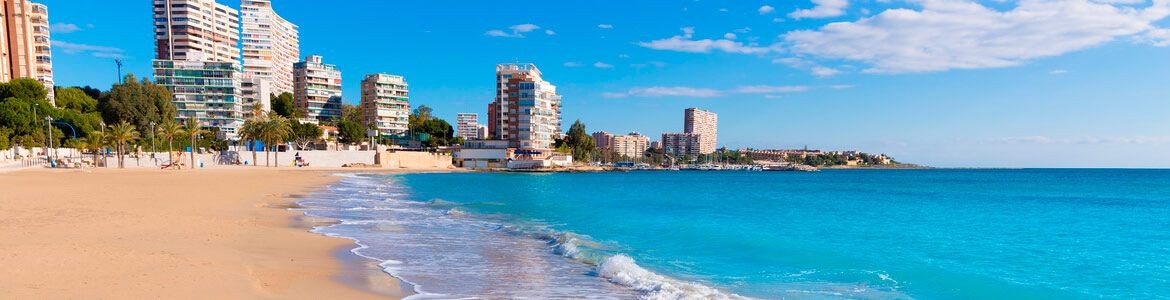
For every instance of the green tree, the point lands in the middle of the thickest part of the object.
(283, 105)
(168, 131)
(137, 102)
(120, 135)
(305, 133)
(350, 132)
(580, 142)
(91, 92)
(192, 129)
(250, 132)
(5, 138)
(23, 88)
(94, 141)
(75, 99)
(277, 129)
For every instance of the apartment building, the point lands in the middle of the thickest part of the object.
(24, 43)
(317, 88)
(271, 46)
(631, 145)
(467, 125)
(681, 145)
(602, 139)
(386, 104)
(197, 58)
(705, 124)
(526, 110)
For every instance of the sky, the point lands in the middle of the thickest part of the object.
(949, 83)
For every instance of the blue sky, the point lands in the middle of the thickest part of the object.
(1073, 83)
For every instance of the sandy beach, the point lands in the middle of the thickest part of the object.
(148, 234)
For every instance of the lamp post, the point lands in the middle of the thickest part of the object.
(49, 129)
(105, 162)
(152, 147)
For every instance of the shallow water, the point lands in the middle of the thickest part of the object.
(876, 234)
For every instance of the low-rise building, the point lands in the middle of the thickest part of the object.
(482, 154)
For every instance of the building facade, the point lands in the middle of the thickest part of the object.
(317, 89)
(526, 110)
(206, 91)
(705, 124)
(197, 59)
(196, 30)
(681, 145)
(467, 125)
(386, 104)
(481, 132)
(271, 45)
(632, 145)
(24, 43)
(602, 139)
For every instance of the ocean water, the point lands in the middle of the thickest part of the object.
(847, 234)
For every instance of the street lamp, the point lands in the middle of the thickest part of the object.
(152, 147)
(49, 129)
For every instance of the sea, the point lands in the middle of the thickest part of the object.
(834, 234)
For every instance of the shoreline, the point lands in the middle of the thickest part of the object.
(143, 233)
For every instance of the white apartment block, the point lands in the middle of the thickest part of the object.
(317, 89)
(196, 30)
(467, 125)
(197, 58)
(706, 125)
(386, 104)
(526, 110)
(271, 46)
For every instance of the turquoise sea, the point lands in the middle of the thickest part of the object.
(836, 234)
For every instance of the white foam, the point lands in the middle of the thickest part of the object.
(622, 270)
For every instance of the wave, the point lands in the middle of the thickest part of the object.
(621, 269)
(617, 268)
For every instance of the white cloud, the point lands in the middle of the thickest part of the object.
(766, 9)
(550, 32)
(777, 20)
(602, 65)
(572, 64)
(605, 26)
(823, 9)
(724, 10)
(64, 28)
(1057, 72)
(770, 89)
(821, 71)
(1158, 37)
(841, 86)
(623, 55)
(948, 34)
(94, 50)
(517, 31)
(685, 43)
(729, 36)
(743, 30)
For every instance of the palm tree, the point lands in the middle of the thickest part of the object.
(168, 130)
(193, 129)
(250, 131)
(94, 143)
(120, 135)
(277, 129)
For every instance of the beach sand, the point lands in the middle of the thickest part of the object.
(149, 234)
